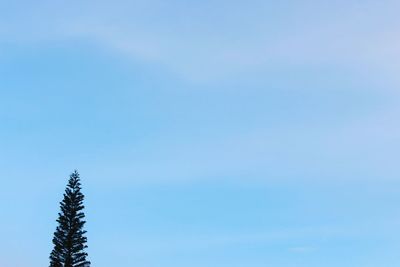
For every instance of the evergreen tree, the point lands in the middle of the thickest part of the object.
(69, 238)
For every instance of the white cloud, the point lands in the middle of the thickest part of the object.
(352, 151)
(203, 42)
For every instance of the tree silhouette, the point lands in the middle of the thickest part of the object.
(69, 238)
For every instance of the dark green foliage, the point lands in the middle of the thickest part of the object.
(69, 238)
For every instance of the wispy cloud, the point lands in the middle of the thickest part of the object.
(354, 150)
(196, 45)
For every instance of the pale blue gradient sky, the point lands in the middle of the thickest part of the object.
(207, 134)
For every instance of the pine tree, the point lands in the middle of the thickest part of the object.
(69, 238)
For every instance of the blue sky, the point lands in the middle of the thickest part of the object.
(208, 133)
